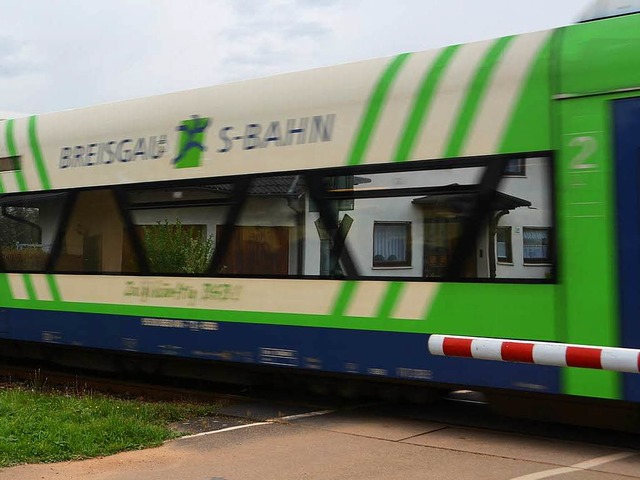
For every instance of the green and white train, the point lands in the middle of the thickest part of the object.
(333, 220)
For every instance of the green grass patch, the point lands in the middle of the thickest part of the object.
(50, 426)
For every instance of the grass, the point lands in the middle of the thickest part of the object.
(49, 426)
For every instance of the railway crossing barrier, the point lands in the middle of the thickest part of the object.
(540, 353)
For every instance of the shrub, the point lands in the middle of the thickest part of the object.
(177, 248)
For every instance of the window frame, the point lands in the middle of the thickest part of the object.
(508, 260)
(549, 260)
(407, 262)
(521, 167)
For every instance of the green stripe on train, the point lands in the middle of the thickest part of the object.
(374, 109)
(5, 289)
(390, 299)
(231, 316)
(28, 285)
(37, 154)
(13, 152)
(422, 103)
(474, 96)
(53, 287)
(522, 134)
(41, 169)
(344, 297)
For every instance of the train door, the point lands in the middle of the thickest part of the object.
(627, 141)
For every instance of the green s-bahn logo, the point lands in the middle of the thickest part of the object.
(191, 143)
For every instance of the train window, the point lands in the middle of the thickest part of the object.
(96, 239)
(10, 164)
(176, 225)
(463, 220)
(28, 228)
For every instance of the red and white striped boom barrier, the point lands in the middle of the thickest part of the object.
(540, 353)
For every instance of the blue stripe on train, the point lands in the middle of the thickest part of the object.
(384, 354)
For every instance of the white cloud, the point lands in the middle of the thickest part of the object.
(58, 55)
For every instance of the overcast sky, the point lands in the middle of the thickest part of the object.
(61, 54)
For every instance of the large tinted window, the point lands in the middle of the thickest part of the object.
(463, 220)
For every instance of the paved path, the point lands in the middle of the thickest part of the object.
(355, 444)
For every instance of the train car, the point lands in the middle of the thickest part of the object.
(333, 220)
